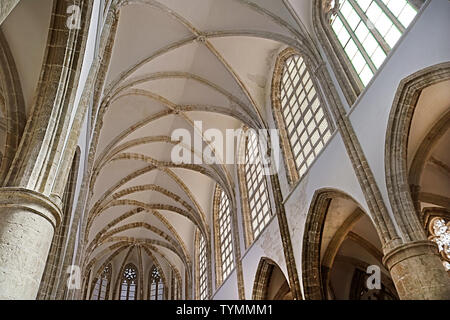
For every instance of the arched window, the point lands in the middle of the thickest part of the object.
(253, 186)
(223, 235)
(202, 268)
(128, 287)
(367, 30)
(439, 231)
(303, 122)
(101, 289)
(156, 285)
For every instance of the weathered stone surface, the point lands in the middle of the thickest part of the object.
(27, 222)
(417, 272)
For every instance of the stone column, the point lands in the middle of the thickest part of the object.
(27, 224)
(417, 271)
(6, 6)
(30, 204)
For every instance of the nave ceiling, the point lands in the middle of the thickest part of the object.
(175, 64)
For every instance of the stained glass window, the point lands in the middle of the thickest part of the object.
(128, 288)
(156, 286)
(101, 288)
(440, 233)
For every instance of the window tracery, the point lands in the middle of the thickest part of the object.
(128, 288)
(101, 288)
(439, 229)
(156, 285)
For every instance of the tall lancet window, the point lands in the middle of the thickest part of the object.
(368, 30)
(156, 285)
(202, 279)
(128, 288)
(256, 185)
(223, 235)
(302, 119)
(101, 289)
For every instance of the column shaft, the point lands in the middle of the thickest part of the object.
(417, 272)
(27, 224)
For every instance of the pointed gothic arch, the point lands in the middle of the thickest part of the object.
(330, 247)
(270, 282)
(12, 104)
(129, 283)
(399, 126)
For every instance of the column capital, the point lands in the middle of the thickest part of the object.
(409, 250)
(33, 202)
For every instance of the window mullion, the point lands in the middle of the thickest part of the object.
(358, 43)
(391, 16)
(386, 48)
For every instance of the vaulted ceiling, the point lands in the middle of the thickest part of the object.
(26, 32)
(174, 63)
(23, 40)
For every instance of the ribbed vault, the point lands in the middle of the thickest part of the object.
(175, 63)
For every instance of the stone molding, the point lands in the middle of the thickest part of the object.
(33, 202)
(409, 250)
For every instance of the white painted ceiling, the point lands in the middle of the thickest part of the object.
(175, 62)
